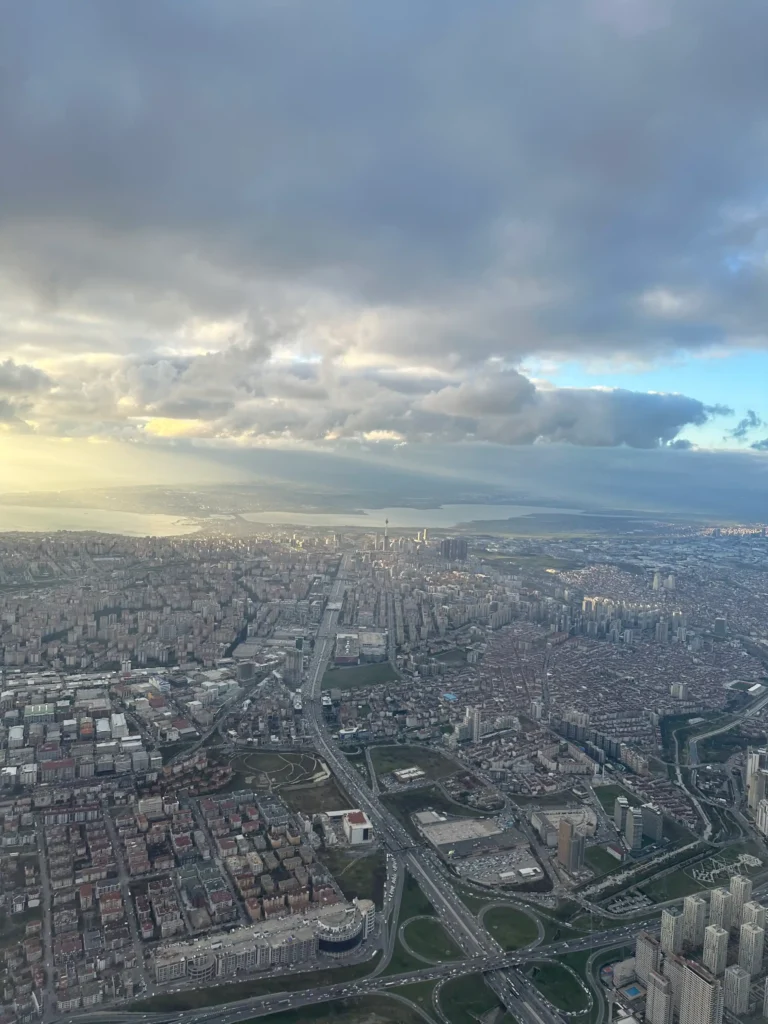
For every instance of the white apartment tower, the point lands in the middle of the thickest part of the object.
(671, 930)
(658, 1005)
(736, 989)
(715, 949)
(702, 1001)
(741, 890)
(694, 921)
(753, 913)
(647, 956)
(757, 762)
(720, 908)
(672, 968)
(751, 941)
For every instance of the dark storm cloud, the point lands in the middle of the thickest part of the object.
(397, 194)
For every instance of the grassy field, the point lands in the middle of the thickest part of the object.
(464, 1000)
(559, 987)
(717, 749)
(325, 796)
(413, 903)
(363, 1010)
(355, 677)
(607, 797)
(201, 997)
(361, 877)
(271, 768)
(474, 901)
(601, 862)
(511, 928)
(420, 993)
(682, 882)
(429, 939)
(434, 764)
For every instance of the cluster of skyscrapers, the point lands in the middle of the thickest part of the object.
(636, 822)
(677, 984)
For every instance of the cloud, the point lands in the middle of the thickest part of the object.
(760, 446)
(19, 379)
(750, 422)
(188, 232)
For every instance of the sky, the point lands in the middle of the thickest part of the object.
(367, 227)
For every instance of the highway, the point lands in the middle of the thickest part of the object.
(494, 964)
(461, 924)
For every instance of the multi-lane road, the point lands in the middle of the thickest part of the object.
(495, 964)
(471, 936)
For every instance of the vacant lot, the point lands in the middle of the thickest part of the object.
(454, 656)
(312, 799)
(545, 799)
(429, 939)
(512, 928)
(354, 677)
(403, 805)
(271, 768)
(601, 862)
(434, 764)
(361, 877)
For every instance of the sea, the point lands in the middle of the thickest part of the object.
(48, 519)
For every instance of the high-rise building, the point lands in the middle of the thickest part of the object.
(647, 956)
(702, 1000)
(741, 889)
(454, 549)
(761, 817)
(736, 989)
(715, 949)
(671, 930)
(570, 845)
(474, 719)
(720, 904)
(757, 775)
(658, 1004)
(620, 808)
(751, 942)
(672, 968)
(753, 913)
(765, 1000)
(653, 822)
(694, 921)
(634, 828)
